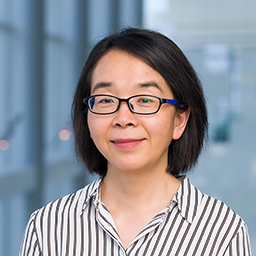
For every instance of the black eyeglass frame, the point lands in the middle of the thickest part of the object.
(161, 101)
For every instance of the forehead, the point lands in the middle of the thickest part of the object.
(120, 69)
(117, 60)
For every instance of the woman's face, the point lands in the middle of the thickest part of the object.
(128, 141)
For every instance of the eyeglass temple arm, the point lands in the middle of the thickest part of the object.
(173, 102)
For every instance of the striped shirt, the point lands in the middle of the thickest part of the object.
(79, 224)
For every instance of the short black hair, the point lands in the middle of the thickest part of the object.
(163, 55)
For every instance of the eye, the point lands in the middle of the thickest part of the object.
(146, 100)
(105, 100)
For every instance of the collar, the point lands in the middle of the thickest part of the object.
(187, 197)
(91, 191)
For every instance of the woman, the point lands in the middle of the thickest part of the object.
(140, 121)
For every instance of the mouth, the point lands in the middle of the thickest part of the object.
(127, 143)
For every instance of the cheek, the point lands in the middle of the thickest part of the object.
(161, 131)
(92, 125)
(98, 129)
(167, 130)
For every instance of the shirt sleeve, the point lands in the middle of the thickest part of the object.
(30, 245)
(240, 244)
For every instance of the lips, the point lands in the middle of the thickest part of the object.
(127, 143)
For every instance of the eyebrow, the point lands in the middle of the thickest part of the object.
(147, 84)
(101, 85)
(151, 84)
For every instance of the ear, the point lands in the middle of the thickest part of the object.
(180, 123)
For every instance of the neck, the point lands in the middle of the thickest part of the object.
(138, 188)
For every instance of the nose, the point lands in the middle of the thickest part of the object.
(124, 117)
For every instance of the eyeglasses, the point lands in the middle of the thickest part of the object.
(103, 104)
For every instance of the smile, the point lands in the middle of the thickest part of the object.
(126, 143)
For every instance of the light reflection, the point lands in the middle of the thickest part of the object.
(4, 145)
(64, 135)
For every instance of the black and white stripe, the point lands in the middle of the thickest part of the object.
(79, 224)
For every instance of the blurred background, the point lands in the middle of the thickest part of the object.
(43, 46)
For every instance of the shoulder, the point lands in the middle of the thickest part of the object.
(223, 228)
(218, 214)
(200, 206)
(213, 212)
(67, 206)
(56, 221)
(211, 221)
